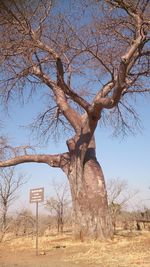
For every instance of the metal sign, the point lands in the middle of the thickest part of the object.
(36, 195)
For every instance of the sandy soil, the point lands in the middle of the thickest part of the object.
(128, 250)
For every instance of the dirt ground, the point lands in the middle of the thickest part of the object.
(125, 250)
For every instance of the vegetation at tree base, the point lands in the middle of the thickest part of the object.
(92, 59)
(59, 221)
(23, 224)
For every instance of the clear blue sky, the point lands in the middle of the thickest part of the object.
(127, 158)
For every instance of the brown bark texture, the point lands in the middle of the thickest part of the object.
(89, 198)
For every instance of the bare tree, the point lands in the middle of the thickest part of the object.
(92, 57)
(9, 185)
(58, 205)
(119, 196)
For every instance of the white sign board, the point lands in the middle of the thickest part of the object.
(36, 195)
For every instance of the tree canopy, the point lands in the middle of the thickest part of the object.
(96, 51)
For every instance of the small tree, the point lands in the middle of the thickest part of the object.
(24, 223)
(10, 183)
(119, 196)
(59, 204)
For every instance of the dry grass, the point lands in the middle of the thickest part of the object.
(123, 251)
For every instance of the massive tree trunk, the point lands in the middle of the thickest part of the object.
(89, 198)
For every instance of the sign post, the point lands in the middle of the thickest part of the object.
(36, 196)
(37, 228)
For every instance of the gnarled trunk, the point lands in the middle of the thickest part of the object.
(89, 198)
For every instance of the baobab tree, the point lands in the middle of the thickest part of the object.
(92, 57)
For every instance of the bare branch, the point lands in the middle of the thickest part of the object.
(71, 115)
(59, 160)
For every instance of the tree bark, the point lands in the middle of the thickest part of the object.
(89, 197)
